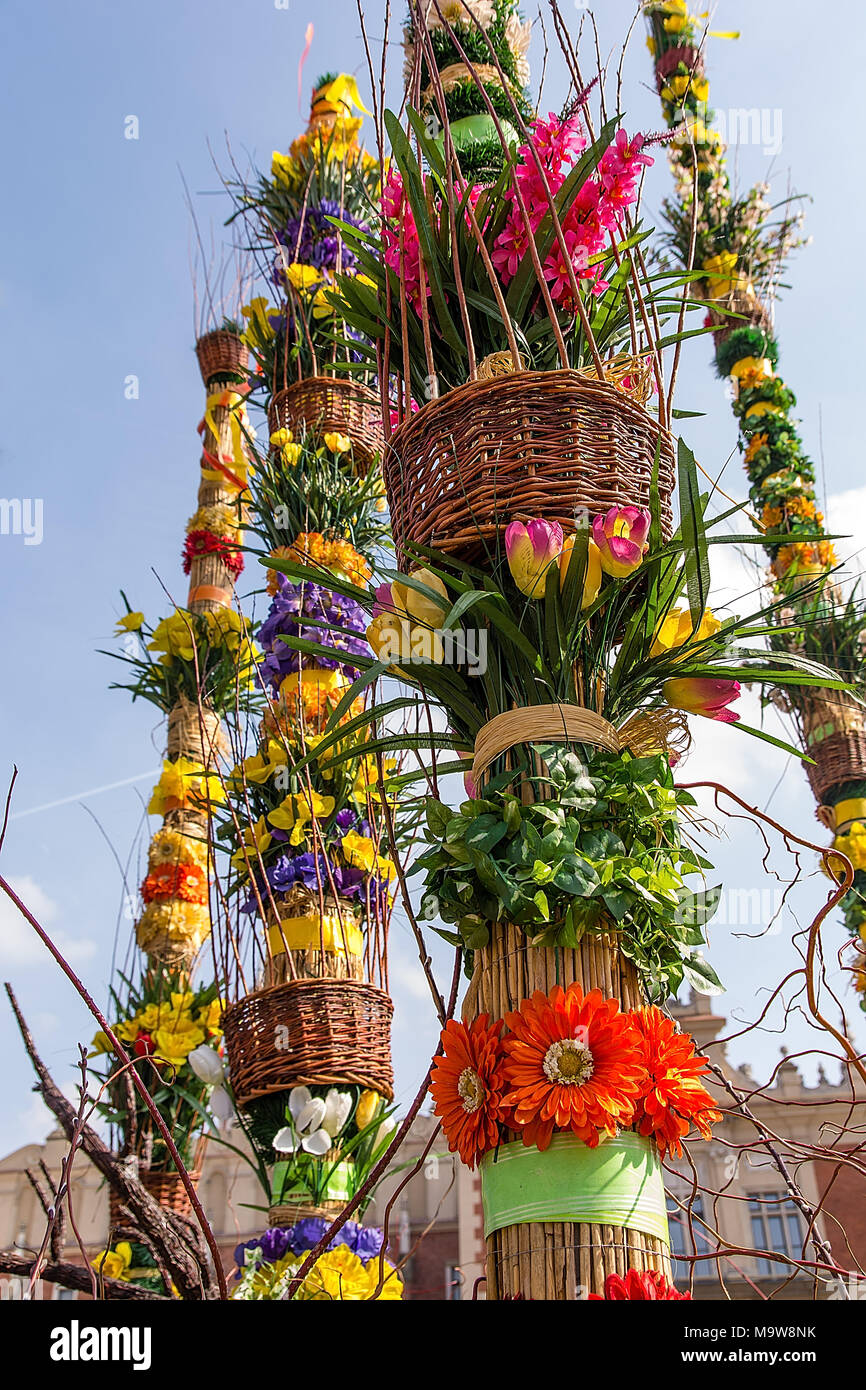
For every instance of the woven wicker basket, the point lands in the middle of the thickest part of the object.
(288, 1213)
(166, 1188)
(670, 61)
(312, 1033)
(332, 404)
(530, 444)
(835, 735)
(221, 355)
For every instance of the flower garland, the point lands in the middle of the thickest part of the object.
(569, 1062)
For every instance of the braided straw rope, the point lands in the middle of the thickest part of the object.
(647, 731)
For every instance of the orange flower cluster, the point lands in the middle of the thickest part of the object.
(185, 881)
(803, 508)
(805, 555)
(569, 1062)
(754, 446)
(311, 547)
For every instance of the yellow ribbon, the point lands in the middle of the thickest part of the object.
(310, 933)
(230, 400)
(845, 813)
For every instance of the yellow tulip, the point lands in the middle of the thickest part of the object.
(113, 1264)
(592, 578)
(337, 443)
(368, 1104)
(130, 623)
(676, 631)
(419, 607)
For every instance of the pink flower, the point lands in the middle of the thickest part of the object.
(531, 550)
(555, 141)
(621, 537)
(556, 268)
(510, 246)
(703, 695)
(470, 786)
(623, 157)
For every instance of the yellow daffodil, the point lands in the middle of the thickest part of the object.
(184, 783)
(365, 786)
(337, 443)
(676, 631)
(360, 852)
(258, 332)
(340, 1275)
(174, 637)
(260, 767)
(114, 1264)
(128, 1029)
(210, 1016)
(175, 1042)
(720, 274)
(101, 1043)
(131, 622)
(322, 304)
(255, 839)
(301, 277)
(297, 810)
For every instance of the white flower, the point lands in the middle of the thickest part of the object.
(221, 1108)
(383, 1133)
(207, 1065)
(460, 12)
(305, 1131)
(338, 1106)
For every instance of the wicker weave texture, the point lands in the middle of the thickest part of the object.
(330, 404)
(311, 1033)
(530, 444)
(221, 354)
(839, 758)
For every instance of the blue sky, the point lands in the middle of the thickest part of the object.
(95, 287)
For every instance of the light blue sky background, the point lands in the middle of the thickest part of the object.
(95, 285)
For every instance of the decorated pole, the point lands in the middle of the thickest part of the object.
(539, 604)
(741, 253)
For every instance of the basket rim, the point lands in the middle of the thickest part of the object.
(503, 385)
(340, 383)
(286, 986)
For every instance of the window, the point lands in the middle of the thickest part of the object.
(688, 1238)
(776, 1226)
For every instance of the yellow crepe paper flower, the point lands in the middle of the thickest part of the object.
(676, 631)
(258, 332)
(301, 277)
(337, 443)
(130, 623)
(340, 1275)
(114, 1264)
(360, 852)
(297, 810)
(184, 783)
(186, 924)
(171, 847)
(174, 637)
(255, 839)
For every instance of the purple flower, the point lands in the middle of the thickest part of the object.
(369, 1242)
(315, 614)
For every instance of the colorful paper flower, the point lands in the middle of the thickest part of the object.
(531, 550)
(468, 1086)
(621, 538)
(703, 695)
(672, 1097)
(572, 1063)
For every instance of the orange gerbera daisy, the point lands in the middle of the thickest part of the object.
(672, 1097)
(573, 1062)
(467, 1087)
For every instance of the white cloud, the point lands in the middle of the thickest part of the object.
(35, 1122)
(846, 516)
(19, 943)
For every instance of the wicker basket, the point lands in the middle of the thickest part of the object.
(288, 1213)
(221, 356)
(669, 62)
(835, 735)
(332, 404)
(312, 1033)
(165, 1187)
(529, 444)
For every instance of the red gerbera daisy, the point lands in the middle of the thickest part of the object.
(573, 1064)
(647, 1287)
(672, 1097)
(467, 1087)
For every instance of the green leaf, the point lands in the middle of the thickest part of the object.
(693, 534)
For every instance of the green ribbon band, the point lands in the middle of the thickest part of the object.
(617, 1184)
(338, 1189)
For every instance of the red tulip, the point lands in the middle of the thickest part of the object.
(703, 695)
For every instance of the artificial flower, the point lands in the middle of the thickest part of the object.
(114, 1264)
(678, 628)
(174, 637)
(647, 1286)
(468, 1087)
(703, 695)
(621, 537)
(337, 443)
(176, 847)
(531, 550)
(592, 578)
(131, 622)
(366, 1109)
(207, 1065)
(418, 607)
(254, 841)
(672, 1096)
(466, 12)
(178, 922)
(184, 782)
(297, 810)
(338, 1107)
(340, 1275)
(361, 853)
(572, 1063)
